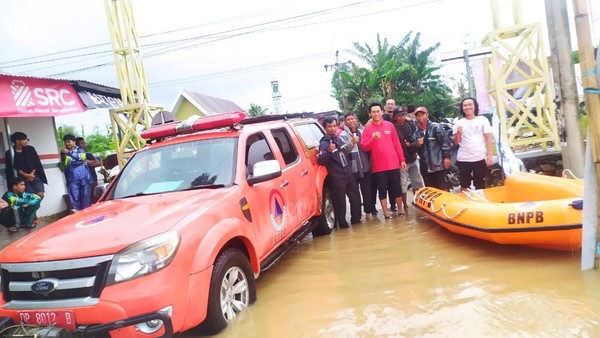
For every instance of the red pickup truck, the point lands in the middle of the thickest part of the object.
(178, 238)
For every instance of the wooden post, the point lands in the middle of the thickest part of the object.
(590, 83)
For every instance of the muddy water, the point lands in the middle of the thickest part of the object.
(408, 277)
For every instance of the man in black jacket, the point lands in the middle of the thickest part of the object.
(434, 150)
(334, 155)
(25, 162)
(405, 129)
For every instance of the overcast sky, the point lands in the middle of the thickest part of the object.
(234, 49)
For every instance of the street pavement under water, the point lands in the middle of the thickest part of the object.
(408, 277)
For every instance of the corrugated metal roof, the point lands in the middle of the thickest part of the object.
(211, 105)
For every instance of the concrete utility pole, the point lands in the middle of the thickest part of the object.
(590, 86)
(564, 78)
(336, 66)
(470, 80)
(276, 95)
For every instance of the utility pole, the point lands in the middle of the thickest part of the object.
(564, 78)
(470, 80)
(276, 97)
(336, 66)
(590, 87)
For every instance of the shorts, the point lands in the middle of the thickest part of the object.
(34, 186)
(388, 181)
(411, 176)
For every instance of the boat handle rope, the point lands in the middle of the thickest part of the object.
(443, 209)
(470, 193)
(570, 173)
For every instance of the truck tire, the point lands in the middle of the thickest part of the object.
(232, 289)
(326, 220)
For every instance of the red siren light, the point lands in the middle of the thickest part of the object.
(193, 124)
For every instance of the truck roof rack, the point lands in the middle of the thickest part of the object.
(277, 117)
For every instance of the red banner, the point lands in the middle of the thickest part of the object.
(22, 96)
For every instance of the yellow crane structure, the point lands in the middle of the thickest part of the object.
(136, 113)
(519, 81)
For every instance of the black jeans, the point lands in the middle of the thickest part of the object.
(474, 171)
(436, 179)
(367, 191)
(340, 188)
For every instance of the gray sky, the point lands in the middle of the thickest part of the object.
(233, 49)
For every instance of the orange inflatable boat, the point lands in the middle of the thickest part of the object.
(529, 209)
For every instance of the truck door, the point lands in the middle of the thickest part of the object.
(268, 200)
(297, 172)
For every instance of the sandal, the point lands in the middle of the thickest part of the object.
(12, 229)
(387, 216)
(33, 225)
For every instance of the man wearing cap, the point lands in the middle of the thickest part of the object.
(405, 129)
(434, 150)
(387, 157)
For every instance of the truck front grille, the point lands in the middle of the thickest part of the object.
(66, 283)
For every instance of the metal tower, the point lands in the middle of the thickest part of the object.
(276, 96)
(136, 113)
(519, 81)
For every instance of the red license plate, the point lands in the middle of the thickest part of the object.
(64, 319)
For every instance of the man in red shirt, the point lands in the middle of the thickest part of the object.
(381, 139)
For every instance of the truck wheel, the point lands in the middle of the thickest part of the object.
(326, 221)
(232, 289)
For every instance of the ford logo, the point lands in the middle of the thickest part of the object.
(43, 287)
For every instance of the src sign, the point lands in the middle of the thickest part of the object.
(24, 96)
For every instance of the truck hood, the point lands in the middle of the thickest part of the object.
(108, 227)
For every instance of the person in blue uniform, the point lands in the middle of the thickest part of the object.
(77, 174)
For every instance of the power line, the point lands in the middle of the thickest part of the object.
(180, 41)
(260, 28)
(295, 17)
(237, 70)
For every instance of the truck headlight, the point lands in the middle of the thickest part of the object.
(144, 257)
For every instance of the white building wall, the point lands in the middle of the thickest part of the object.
(41, 132)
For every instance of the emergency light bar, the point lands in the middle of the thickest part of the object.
(193, 124)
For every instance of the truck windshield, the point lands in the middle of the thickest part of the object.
(183, 166)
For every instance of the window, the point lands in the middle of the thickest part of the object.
(189, 165)
(257, 150)
(311, 134)
(285, 145)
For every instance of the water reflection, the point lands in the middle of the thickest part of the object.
(409, 277)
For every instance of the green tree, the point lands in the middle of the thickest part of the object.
(64, 130)
(256, 110)
(404, 72)
(97, 143)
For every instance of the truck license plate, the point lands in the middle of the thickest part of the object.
(64, 319)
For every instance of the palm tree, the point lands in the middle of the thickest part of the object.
(256, 110)
(403, 72)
